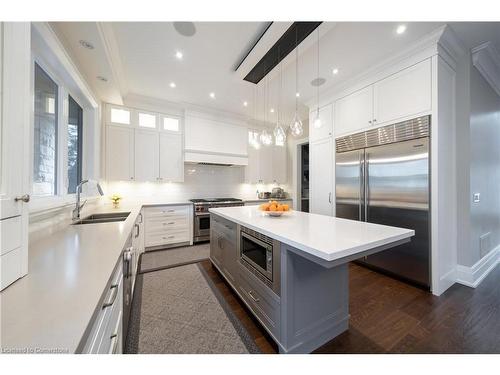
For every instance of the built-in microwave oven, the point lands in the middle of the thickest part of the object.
(261, 255)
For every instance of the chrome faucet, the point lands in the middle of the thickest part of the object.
(78, 206)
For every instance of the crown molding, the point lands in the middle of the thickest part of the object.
(486, 59)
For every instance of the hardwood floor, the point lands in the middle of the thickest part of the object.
(388, 316)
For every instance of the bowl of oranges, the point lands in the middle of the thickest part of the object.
(274, 208)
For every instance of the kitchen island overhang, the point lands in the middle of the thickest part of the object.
(310, 305)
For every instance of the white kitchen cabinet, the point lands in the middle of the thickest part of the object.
(403, 95)
(171, 158)
(252, 170)
(326, 129)
(354, 112)
(321, 177)
(267, 164)
(119, 153)
(279, 167)
(146, 155)
(167, 226)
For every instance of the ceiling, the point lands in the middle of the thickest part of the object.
(138, 58)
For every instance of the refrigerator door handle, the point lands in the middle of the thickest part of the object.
(361, 185)
(365, 181)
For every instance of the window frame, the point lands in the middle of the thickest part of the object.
(79, 173)
(62, 197)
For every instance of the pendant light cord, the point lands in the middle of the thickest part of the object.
(317, 86)
(296, 69)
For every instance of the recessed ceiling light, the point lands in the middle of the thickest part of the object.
(245, 104)
(86, 44)
(212, 95)
(401, 29)
(335, 71)
(179, 55)
(271, 110)
(102, 79)
(297, 94)
(173, 85)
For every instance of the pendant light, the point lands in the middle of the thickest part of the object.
(317, 120)
(265, 137)
(279, 132)
(296, 124)
(253, 135)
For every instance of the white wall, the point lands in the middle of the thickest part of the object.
(484, 168)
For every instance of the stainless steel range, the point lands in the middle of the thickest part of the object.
(202, 216)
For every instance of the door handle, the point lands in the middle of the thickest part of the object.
(114, 289)
(25, 198)
(330, 197)
(250, 293)
(137, 232)
(114, 343)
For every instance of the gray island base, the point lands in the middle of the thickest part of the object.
(292, 272)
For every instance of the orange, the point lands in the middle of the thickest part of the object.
(285, 207)
(279, 208)
(272, 208)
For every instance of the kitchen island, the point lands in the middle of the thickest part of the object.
(292, 271)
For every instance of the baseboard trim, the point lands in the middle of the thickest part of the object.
(473, 276)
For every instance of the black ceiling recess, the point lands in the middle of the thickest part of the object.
(281, 49)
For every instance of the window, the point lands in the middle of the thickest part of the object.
(147, 121)
(171, 124)
(75, 138)
(120, 116)
(45, 134)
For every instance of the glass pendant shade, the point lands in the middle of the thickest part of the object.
(317, 121)
(265, 138)
(296, 126)
(279, 135)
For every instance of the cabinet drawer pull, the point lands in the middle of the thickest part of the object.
(250, 293)
(114, 343)
(166, 238)
(169, 223)
(114, 293)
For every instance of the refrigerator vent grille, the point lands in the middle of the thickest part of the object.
(402, 131)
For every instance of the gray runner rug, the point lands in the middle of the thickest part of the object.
(161, 259)
(179, 310)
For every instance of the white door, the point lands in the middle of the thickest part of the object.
(171, 158)
(326, 129)
(15, 105)
(279, 158)
(119, 153)
(354, 112)
(403, 95)
(146, 156)
(321, 165)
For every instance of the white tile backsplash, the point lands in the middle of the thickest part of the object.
(200, 181)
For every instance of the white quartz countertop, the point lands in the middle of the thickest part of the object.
(50, 308)
(325, 237)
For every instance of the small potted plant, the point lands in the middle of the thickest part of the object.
(115, 198)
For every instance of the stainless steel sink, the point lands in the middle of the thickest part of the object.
(107, 217)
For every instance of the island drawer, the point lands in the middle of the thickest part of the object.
(263, 302)
(223, 226)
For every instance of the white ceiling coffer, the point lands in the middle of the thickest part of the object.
(486, 59)
(215, 140)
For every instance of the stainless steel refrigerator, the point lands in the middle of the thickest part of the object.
(382, 176)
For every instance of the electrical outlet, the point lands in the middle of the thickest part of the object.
(477, 197)
(484, 244)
